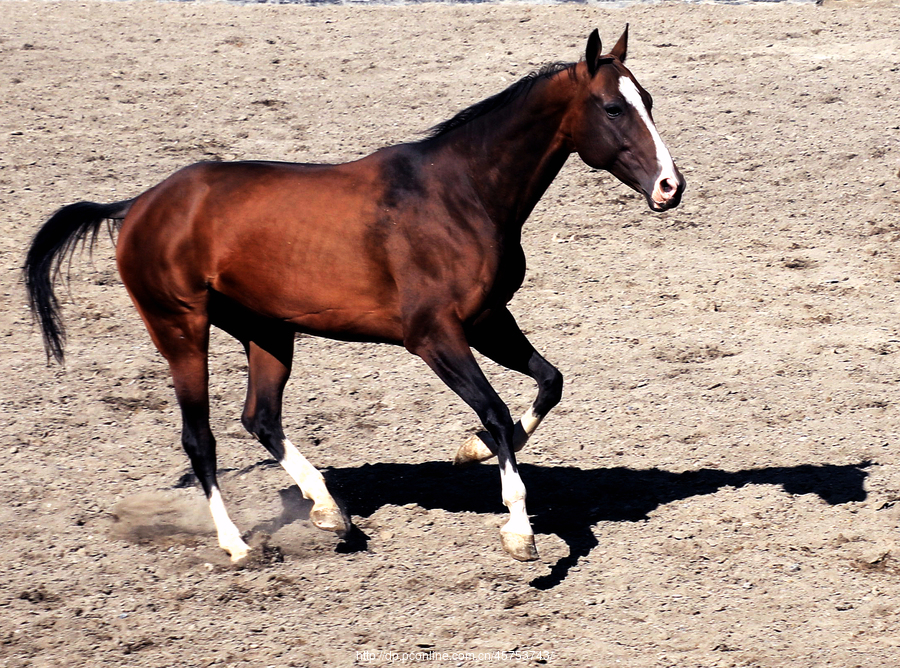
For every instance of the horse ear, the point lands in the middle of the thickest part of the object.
(620, 50)
(592, 53)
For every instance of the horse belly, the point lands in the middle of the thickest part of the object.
(323, 278)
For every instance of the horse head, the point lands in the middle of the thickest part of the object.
(611, 127)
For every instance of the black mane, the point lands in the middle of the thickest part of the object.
(521, 87)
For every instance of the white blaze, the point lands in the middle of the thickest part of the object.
(666, 165)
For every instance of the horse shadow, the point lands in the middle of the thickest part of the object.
(568, 501)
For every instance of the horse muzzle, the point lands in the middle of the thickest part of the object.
(666, 193)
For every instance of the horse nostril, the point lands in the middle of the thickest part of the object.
(667, 186)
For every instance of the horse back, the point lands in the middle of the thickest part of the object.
(339, 250)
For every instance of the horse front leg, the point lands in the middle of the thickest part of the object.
(445, 349)
(499, 338)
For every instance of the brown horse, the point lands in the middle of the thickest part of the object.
(416, 245)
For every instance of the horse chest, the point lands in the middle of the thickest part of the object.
(509, 277)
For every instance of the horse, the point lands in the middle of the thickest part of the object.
(417, 244)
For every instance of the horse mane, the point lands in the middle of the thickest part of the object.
(522, 87)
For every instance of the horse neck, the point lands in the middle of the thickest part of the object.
(513, 153)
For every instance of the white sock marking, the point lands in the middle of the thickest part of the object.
(229, 537)
(524, 429)
(307, 477)
(530, 422)
(514, 499)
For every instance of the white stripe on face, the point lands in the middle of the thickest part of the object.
(633, 97)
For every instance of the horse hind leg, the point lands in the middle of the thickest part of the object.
(270, 357)
(183, 339)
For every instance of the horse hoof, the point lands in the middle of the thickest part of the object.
(239, 555)
(328, 519)
(519, 546)
(473, 450)
(236, 548)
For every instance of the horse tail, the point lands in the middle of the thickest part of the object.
(57, 238)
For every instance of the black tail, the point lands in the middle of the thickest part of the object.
(71, 225)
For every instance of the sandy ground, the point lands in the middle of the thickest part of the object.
(719, 487)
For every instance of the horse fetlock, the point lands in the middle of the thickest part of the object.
(514, 499)
(513, 496)
(529, 422)
(520, 436)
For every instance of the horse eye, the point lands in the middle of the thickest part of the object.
(613, 110)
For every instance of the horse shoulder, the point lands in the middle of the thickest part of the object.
(444, 251)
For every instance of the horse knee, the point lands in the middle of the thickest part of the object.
(265, 425)
(249, 421)
(499, 423)
(201, 451)
(261, 418)
(549, 391)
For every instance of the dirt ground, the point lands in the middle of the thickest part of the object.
(721, 483)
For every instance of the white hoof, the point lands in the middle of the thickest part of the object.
(474, 450)
(519, 546)
(238, 551)
(329, 518)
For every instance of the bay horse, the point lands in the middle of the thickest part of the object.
(417, 245)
